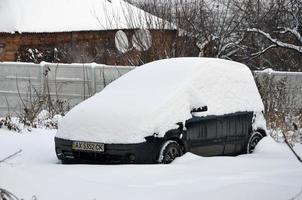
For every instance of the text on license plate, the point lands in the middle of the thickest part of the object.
(88, 146)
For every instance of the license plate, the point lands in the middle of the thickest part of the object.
(88, 146)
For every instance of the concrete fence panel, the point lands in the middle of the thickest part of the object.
(74, 82)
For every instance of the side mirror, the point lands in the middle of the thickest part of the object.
(200, 109)
(180, 125)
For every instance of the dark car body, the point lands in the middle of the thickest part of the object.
(204, 136)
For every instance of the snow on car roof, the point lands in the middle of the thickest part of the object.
(74, 15)
(154, 97)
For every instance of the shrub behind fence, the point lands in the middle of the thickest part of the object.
(281, 93)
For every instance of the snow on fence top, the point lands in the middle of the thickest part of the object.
(154, 97)
(74, 15)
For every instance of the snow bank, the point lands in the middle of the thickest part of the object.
(152, 98)
(73, 15)
(37, 146)
(36, 171)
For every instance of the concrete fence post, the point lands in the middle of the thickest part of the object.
(42, 64)
(93, 77)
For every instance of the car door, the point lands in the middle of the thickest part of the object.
(202, 136)
(228, 126)
(244, 122)
(238, 125)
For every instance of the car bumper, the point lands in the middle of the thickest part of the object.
(141, 153)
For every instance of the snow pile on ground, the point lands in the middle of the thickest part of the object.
(20, 123)
(45, 120)
(74, 15)
(154, 97)
(11, 123)
(272, 172)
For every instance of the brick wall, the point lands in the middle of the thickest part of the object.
(85, 46)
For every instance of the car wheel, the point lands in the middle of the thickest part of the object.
(169, 151)
(253, 141)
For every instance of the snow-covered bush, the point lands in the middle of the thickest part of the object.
(46, 120)
(11, 123)
(291, 136)
(43, 120)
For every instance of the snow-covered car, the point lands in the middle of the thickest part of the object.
(163, 109)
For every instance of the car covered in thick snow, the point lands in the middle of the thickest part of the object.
(161, 110)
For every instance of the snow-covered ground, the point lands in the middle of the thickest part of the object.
(272, 172)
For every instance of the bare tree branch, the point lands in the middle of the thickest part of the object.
(6, 195)
(292, 31)
(10, 156)
(259, 53)
(276, 41)
(291, 148)
(296, 196)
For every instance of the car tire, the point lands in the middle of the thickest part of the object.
(253, 141)
(169, 151)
